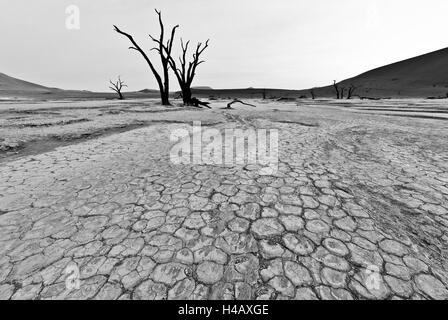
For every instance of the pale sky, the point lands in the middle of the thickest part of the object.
(290, 44)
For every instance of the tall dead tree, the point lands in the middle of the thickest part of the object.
(186, 71)
(164, 51)
(117, 87)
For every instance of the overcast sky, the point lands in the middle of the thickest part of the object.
(253, 43)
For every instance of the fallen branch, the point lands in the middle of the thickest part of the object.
(229, 105)
(198, 103)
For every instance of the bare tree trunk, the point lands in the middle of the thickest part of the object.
(166, 84)
(186, 95)
(165, 56)
(165, 98)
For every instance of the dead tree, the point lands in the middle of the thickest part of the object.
(313, 96)
(336, 89)
(164, 51)
(117, 87)
(351, 91)
(264, 94)
(185, 73)
(342, 91)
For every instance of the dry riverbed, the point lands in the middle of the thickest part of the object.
(357, 210)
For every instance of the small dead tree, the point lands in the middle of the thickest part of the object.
(117, 87)
(351, 91)
(164, 56)
(264, 94)
(336, 89)
(313, 95)
(186, 71)
(342, 90)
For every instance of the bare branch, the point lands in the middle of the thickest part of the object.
(171, 40)
(137, 48)
(199, 50)
(154, 39)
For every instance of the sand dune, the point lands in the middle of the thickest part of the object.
(422, 76)
(9, 85)
(16, 89)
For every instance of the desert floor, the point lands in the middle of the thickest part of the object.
(358, 208)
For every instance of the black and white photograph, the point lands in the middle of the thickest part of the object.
(228, 155)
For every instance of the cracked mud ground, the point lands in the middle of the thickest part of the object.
(356, 195)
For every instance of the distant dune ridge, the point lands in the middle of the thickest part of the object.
(425, 76)
(13, 88)
(10, 84)
(422, 76)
